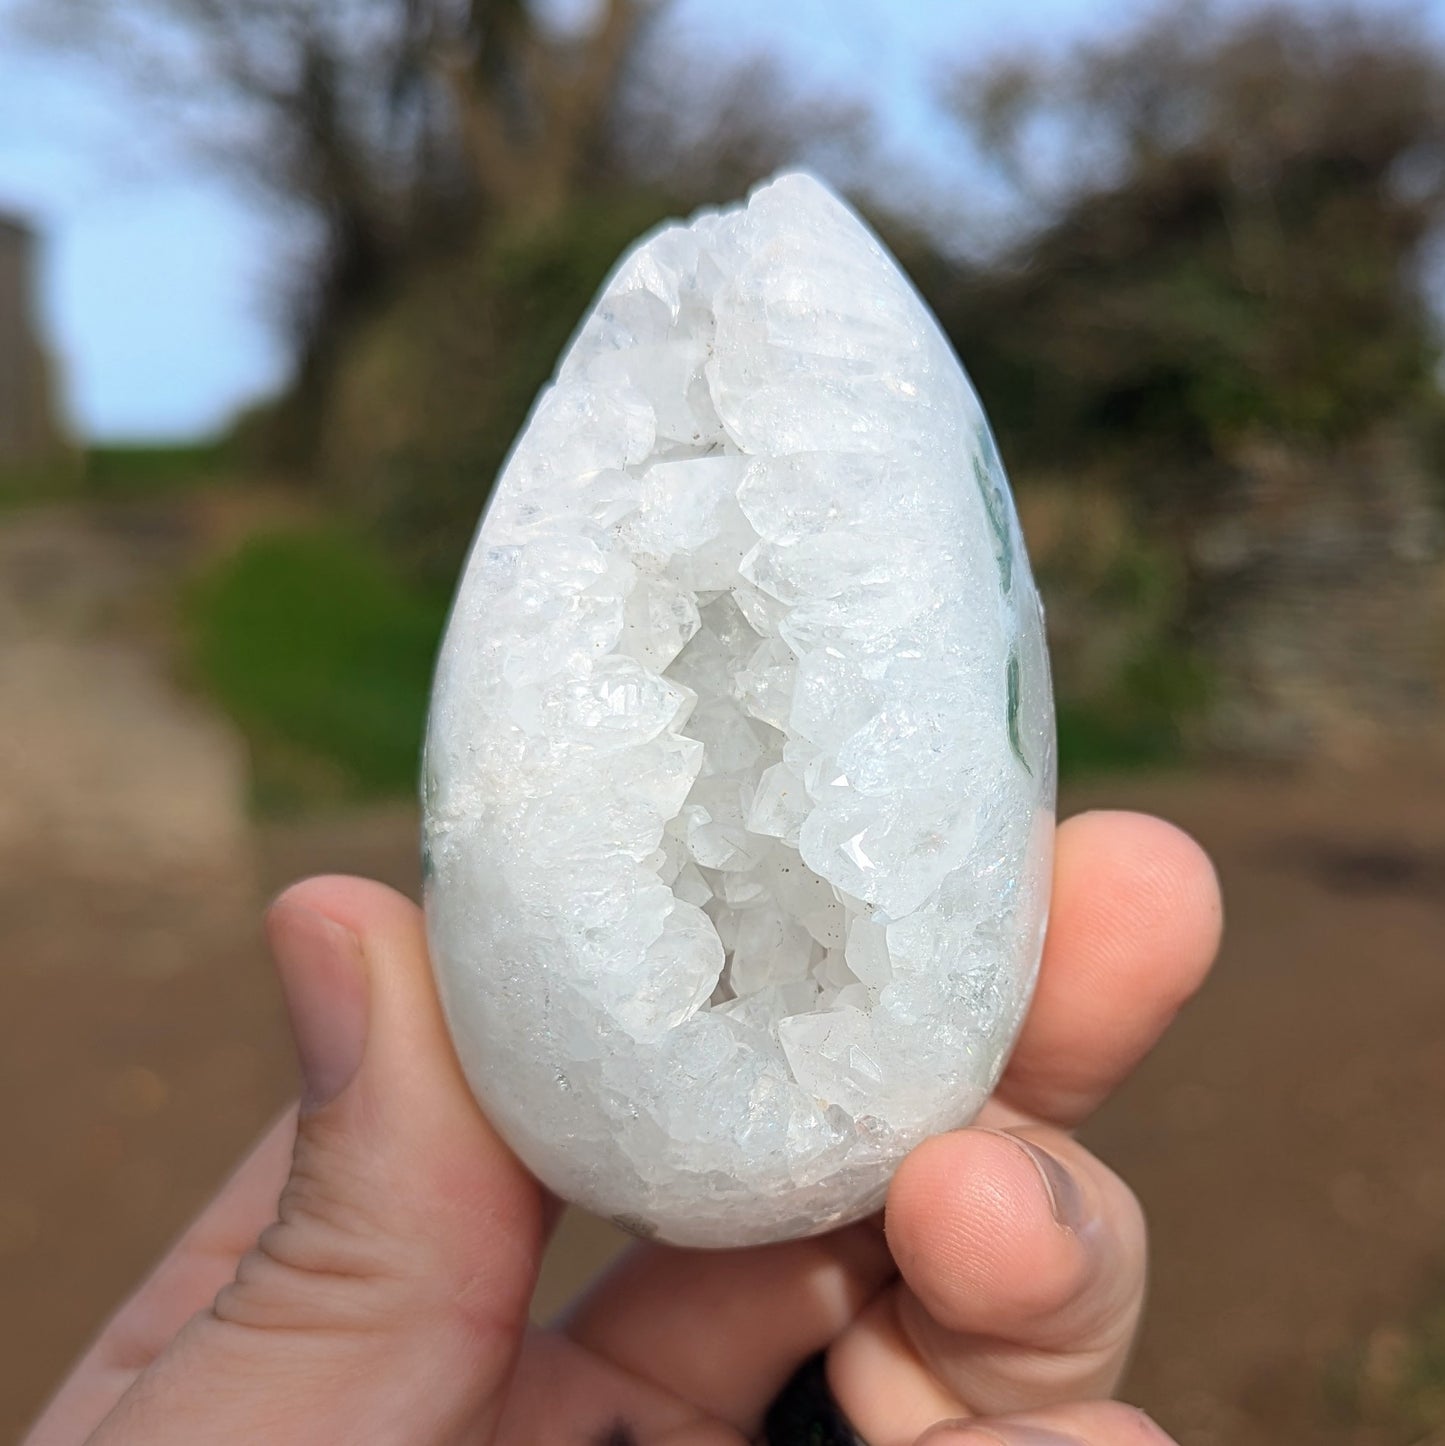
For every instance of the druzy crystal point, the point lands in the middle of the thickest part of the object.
(740, 766)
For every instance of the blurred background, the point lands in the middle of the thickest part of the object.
(278, 281)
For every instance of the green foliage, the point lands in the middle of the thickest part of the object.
(1249, 261)
(27, 486)
(1129, 684)
(1141, 721)
(141, 469)
(323, 656)
(117, 472)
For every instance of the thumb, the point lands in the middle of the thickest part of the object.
(386, 1301)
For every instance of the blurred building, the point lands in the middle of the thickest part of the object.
(30, 433)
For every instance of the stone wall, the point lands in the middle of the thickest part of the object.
(29, 431)
(1326, 622)
(1314, 601)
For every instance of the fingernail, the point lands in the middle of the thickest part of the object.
(1005, 1433)
(323, 979)
(1066, 1200)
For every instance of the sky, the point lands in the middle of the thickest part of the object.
(158, 275)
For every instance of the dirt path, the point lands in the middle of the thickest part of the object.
(1288, 1140)
(139, 1043)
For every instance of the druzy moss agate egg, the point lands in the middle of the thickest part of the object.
(740, 767)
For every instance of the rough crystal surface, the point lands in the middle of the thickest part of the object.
(740, 768)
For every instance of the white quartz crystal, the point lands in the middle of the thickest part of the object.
(740, 767)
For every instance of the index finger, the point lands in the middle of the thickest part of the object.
(1134, 926)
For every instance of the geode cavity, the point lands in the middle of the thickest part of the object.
(740, 766)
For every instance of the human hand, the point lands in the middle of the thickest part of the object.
(384, 1299)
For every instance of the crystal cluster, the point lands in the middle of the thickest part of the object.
(739, 778)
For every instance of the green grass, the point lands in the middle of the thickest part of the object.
(27, 486)
(323, 656)
(142, 469)
(116, 473)
(1143, 720)
(1094, 740)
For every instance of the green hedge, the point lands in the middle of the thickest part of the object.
(323, 655)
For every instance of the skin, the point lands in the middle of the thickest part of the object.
(366, 1273)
